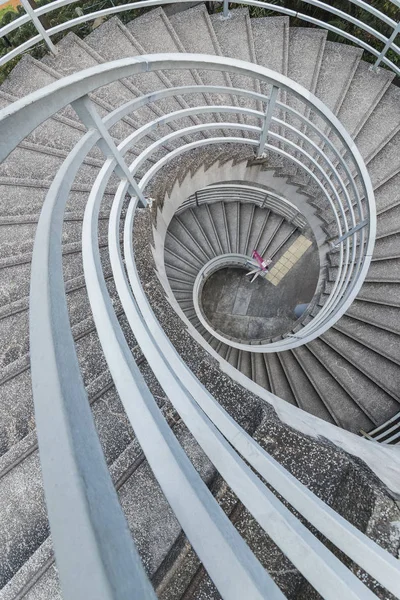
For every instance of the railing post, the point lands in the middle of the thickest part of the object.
(267, 120)
(226, 13)
(382, 55)
(38, 25)
(91, 118)
(350, 232)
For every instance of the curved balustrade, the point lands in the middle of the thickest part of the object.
(83, 508)
(355, 232)
(32, 15)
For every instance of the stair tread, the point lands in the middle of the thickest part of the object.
(388, 193)
(381, 125)
(306, 396)
(386, 162)
(271, 40)
(384, 373)
(339, 64)
(278, 380)
(383, 342)
(365, 91)
(353, 407)
(112, 40)
(382, 316)
(235, 39)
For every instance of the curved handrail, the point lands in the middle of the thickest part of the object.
(45, 35)
(216, 430)
(327, 521)
(43, 103)
(92, 541)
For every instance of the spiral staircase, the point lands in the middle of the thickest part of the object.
(236, 458)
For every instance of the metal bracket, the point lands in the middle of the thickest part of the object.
(91, 118)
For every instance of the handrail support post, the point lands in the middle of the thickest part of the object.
(267, 120)
(225, 11)
(39, 27)
(350, 232)
(91, 118)
(396, 31)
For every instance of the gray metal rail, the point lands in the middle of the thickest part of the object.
(32, 15)
(94, 550)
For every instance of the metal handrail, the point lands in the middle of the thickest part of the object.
(346, 537)
(52, 347)
(45, 35)
(78, 85)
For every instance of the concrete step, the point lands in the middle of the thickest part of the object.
(264, 226)
(386, 195)
(76, 54)
(339, 64)
(332, 396)
(385, 270)
(283, 236)
(17, 235)
(384, 373)
(145, 507)
(218, 216)
(271, 45)
(244, 363)
(112, 41)
(183, 241)
(19, 197)
(192, 221)
(232, 212)
(365, 91)
(205, 41)
(205, 218)
(386, 162)
(306, 50)
(235, 39)
(17, 407)
(382, 293)
(381, 341)
(353, 407)
(15, 271)
(384, 317)
(381, 125)
(277, 378)
(245, 227)
(176, 257)
(14, 325)
(259, 370)
(307, 398)
(155, 34)
(25, 526)
(388, 223)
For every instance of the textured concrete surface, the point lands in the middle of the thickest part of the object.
(349, 378)
(258, 310)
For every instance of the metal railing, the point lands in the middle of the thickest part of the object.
(94, 551)
(45, 35)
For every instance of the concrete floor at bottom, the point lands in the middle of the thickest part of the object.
(262, 309)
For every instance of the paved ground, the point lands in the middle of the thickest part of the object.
(261, 309)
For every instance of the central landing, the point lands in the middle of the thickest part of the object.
(262, 309)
